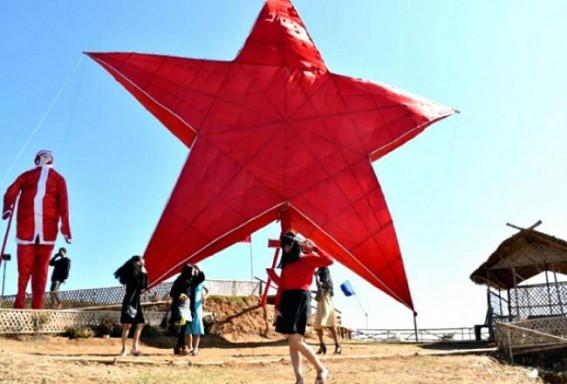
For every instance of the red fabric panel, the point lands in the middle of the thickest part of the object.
(275, 135)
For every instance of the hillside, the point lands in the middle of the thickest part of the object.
(236, 318)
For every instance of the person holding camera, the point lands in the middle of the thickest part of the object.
(61, 265)
(293, 300)
(181, 316)
(134, 276)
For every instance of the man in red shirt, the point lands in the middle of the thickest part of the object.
(43, 202)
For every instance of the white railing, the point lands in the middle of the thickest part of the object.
(410, 335)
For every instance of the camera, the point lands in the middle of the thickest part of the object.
(6, 257)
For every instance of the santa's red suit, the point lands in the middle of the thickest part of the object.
(43, 203)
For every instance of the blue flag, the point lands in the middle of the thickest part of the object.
(347, 288)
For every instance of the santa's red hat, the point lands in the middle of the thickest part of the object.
(41, 153)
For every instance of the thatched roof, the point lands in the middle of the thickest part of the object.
(527, 253)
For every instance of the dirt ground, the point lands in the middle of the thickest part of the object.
(51, 359)
(242, 347)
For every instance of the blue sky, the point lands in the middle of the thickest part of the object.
(450, 191)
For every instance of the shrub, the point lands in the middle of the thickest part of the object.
(107, 326)
(150, 332)
(39, 320)
(78, 332)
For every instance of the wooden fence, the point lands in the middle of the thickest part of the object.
(87, 307)
(82, 298)
(532, 335)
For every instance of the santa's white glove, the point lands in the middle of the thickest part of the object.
(67, 239)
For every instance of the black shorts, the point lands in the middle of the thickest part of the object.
(295, 306)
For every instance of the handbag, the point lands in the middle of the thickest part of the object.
(184, 313)
(130, 310)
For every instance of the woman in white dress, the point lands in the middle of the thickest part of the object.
(325, 317)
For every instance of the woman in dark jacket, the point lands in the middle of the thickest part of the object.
(132, 274)
(180, 306)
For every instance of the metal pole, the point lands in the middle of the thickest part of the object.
(4, 275)
(415, 327)
(251, 262)
(6, 237)
(363, 310)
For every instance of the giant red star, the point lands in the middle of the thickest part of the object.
(275, 135)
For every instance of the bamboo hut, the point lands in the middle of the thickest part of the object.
(528, 314)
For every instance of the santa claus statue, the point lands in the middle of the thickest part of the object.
(42, 206)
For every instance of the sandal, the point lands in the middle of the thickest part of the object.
(322, 377)
(181, 351)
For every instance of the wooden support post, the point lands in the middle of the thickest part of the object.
(537, 223)
(269, 282)
(285, 221)
(558, 291)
